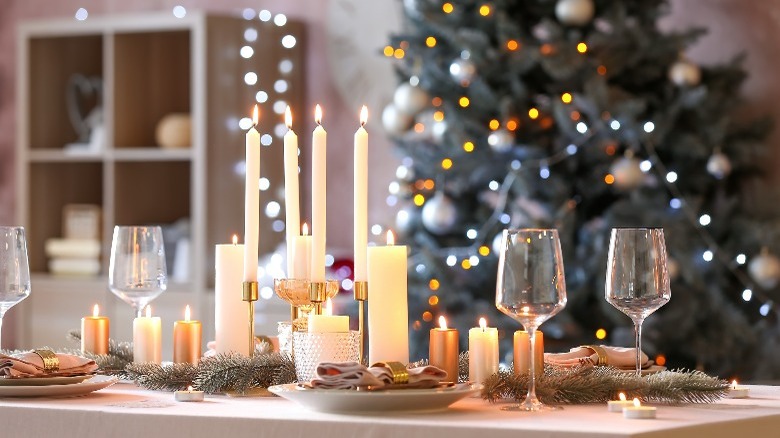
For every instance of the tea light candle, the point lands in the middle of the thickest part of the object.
(94, 333)
(618, 405)
(443, 351)
(147, 344)
(483, 352)
(187, 337)
(639, 412)
(328, 323)
(190, 395)
(737, 391)
(522, 364)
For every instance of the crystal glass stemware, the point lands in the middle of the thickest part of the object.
(637, 278)
(14, 269)
(137, 272)
(531, 288)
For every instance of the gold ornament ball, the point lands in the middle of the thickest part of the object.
(685, 73)
(765, 270)
(628, 175)
(719, 165)
(409, 99)
(574, 12)
(395, 122)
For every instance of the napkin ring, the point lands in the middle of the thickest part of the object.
(399, 371)
(601, 352)
(50, 361)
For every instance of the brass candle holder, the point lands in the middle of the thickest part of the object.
(250, 294)
(361, 296)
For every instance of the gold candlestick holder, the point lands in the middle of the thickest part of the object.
(250, 294)
(361, 296)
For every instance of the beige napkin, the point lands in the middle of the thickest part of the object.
(351, 375)
(617, 357)
(31, 365)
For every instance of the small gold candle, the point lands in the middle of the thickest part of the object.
(443, 350)
(187, 338)
(94, 333)
(522, 350)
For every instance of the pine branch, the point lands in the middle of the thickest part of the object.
(171, 377)
(120, 355)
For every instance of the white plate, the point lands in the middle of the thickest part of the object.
(42, 381)
(395, 400)
(67, 390)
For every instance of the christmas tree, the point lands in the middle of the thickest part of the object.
(582, 115)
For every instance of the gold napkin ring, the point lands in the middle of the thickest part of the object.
(601, 352)
(399, 371)
(50, 361)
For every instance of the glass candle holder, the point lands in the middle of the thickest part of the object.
(313, 348)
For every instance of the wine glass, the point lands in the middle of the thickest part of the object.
(637, 280)
(14, 269)
(136, 271)
(531, 288)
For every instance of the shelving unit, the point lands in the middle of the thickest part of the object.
(151, 65)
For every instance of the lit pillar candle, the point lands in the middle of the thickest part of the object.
(388, 319)
(638, 412)
(147, 334)
(483, 352)
(361, 198)
(94, 333)
(301, 256)
(292, 206)
(522, 349)
(187, 338)
(252, 200)
(443, 349)
(230, 316)
(327, 322)
(318, 204)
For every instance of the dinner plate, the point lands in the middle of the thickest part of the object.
(65, 390)
(43, 381)
(396, 400)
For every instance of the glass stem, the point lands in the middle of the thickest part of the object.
(531, 396)
(638, 343)
(1, 330)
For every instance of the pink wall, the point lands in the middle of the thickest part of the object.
(734, 26)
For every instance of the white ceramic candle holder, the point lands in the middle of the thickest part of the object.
(313, 348)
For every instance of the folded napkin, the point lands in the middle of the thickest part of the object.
(31, 364)
(351, 375)
(618, 357)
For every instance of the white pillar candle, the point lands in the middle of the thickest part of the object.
(483, 352)
(292, 208)
(147, 335)
(328, 323)
(388, 319)
(638, 412)
(618, 405)
(301, 256)
(318, 204)
(230, 311)
(737, 391)
(252, 200)
(361, 198)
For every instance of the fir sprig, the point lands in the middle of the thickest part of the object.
(120, 355)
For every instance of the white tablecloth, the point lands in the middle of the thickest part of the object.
(124, 410)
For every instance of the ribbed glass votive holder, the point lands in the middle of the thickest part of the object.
(313, 348)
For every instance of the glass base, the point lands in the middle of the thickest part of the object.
(531, 408)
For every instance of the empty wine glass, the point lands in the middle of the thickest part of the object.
(637, 279)
(531, 288)
(14, 269)
(137, 272)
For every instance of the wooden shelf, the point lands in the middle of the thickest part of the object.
(152, 153)
(63, 156)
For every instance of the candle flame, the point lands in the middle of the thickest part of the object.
(96, 312)
(442, 323)
(363, 115)
(148, 311)
(637, 403)
(187, 313)
(318, 114)
(189, 388)
(482, 323)
(235, 239)
(255, 116)
(390, 238)
(328, 307)
(734, 384)
(305, 229)
(288, 117)
(622, 397)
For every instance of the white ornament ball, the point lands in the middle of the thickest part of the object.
(574, 12)
(405, 219)
(463, 70)
(719, 165)
(765, 270)
(438, 131)
(685, 73)
(501, 140)
(439, 214)
(395, 122)
(628, 175)
(409, 99)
